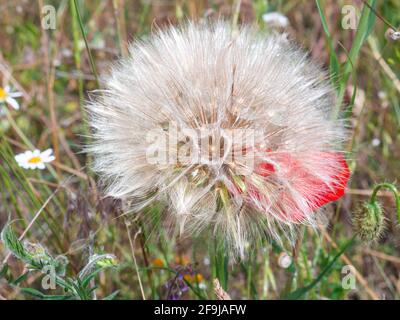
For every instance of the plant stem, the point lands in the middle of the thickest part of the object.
(221, 263)
(92, 65)
(395, 192)
(134, 257)
(360, 37)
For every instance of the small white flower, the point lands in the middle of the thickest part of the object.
(376, 142)
(284, 260)
(392, 34)
(34, 159)
(275, 19)
(382, 95)
(396, 35)
(202, 286)
(6, 96)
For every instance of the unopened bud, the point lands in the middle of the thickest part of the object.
(369, 221)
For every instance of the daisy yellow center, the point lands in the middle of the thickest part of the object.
(34, 160)
(3, 94)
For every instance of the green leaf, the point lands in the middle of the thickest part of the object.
(297, 294)
(37, 294)
(85, 281)
(364, 28)
(111, 296)
(334, 66)
(4, 270)
(97, 261)
(11, 242)
(371, 19)
(21, 278)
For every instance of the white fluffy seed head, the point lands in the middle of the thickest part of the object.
(220, 85)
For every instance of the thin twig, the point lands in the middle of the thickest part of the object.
(385, 67)
(92, 65)
(50, 79)
(383, 256)
(119, 15)
(219, 292)
(357, 274)
(33, 221)
(7, 74)
(368, 192)
(236, 12)
(134, 257)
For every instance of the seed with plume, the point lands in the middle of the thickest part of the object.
(232, 130)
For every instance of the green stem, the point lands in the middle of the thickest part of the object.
(92, 65)
(117, 14)
(395, 192)
(235, 16)
(297, 294)
(77, 54)
(221, 263)
(361, 34)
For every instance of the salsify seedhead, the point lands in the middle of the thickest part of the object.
(231, 129)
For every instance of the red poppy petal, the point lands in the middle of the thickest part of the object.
(335, 190)
(306, 182)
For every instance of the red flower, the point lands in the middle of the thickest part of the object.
(304, 183)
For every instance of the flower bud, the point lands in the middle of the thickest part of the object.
(369, 221)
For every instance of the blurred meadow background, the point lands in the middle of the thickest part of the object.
(61, 218)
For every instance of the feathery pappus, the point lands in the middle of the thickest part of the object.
(232, 129)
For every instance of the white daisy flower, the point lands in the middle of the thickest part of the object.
(34, 159)
(275, 19)
(6, 96)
